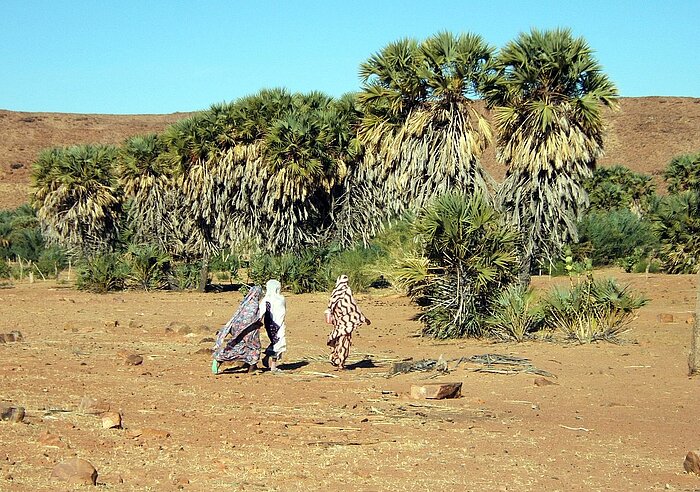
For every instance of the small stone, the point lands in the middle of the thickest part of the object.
(665, 318)
(111, 323)
(690, 320)
(207, 340)
(133, 360)
(179, 328)
(134, 324)
(11, 414)
(203, 351)
(50, 440)
(93, 406)
(692, 462)
(75, 471)
(111, 420)
(544, 382)
(150, 433)
(2, 338)
(436, 391)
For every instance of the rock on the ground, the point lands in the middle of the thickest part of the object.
(93, 406)
(436, 391)
(544, 382)
(50, 440)
(665, 318)
(203, 351)
(111, 420)
(75, 471)
(10, 413)
(13, 336)
(178, 327)
(133, 360)
(692, 462)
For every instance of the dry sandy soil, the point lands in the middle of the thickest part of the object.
(620, 417)
(644, 134)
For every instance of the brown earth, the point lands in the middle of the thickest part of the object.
(620, 417)
(644, 134)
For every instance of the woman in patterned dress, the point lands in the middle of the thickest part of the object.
(244, 328)
(345, 316)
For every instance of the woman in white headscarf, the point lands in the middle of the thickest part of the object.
(273, 309)
(345, 316)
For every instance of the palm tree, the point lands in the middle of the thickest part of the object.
(77, 196)
(548, 98)
(153, 199)
(422, 134)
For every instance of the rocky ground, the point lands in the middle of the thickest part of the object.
(618, 417)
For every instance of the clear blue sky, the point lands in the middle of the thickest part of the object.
(163, 56)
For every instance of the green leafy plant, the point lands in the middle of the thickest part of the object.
(102, 273)
(148, 266)
(590, 309)
(515, 314)
(51, 261)
(683, 173)
(677, 224)
(467, 256)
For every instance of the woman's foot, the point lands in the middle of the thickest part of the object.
(252, 367)
(215, 366)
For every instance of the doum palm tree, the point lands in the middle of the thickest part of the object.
(421, 132)
(547, 98)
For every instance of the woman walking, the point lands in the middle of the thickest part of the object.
(244, 328)
(273, 308)
(345, 316)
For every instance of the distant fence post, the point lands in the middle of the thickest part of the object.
(694, 361)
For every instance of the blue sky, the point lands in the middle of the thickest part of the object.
(163, 56)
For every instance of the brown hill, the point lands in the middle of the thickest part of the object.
(644, 134)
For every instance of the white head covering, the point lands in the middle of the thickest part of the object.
(278, 310)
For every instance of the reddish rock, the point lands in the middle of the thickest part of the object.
(436, 391)
(93, 406)
(150, 433)
(692, 462)
(50, 440)
(665, 318)
(203, 351)
(111, 420)
(544, 382)
(75, 471)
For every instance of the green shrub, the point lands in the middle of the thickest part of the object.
(359, 264)
(591, 310)
(148, 266)
(606, 237)
(227, 262)
(683, 173)
(515, 314)
(617, 187)
(102, 273)
(677, 224)
(467, 255)
(301, 272)
(5, 269)
(185, 275)
(51, 261)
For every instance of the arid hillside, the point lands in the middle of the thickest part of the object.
(644, 134)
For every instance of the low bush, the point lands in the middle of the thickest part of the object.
(5, 269)
(148, 266)
(102, 273)
(607, 237)
(515, 314)
(591, 310)
(51, 261)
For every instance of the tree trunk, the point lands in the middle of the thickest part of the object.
(694, 361)
(204, 274)
(524, 274)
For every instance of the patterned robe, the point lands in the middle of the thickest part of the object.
(346, 317)
(244, 328)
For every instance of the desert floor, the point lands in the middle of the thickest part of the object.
(620, 417)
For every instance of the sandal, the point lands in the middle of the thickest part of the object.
(215, 366)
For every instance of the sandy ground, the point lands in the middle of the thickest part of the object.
(620, 417)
